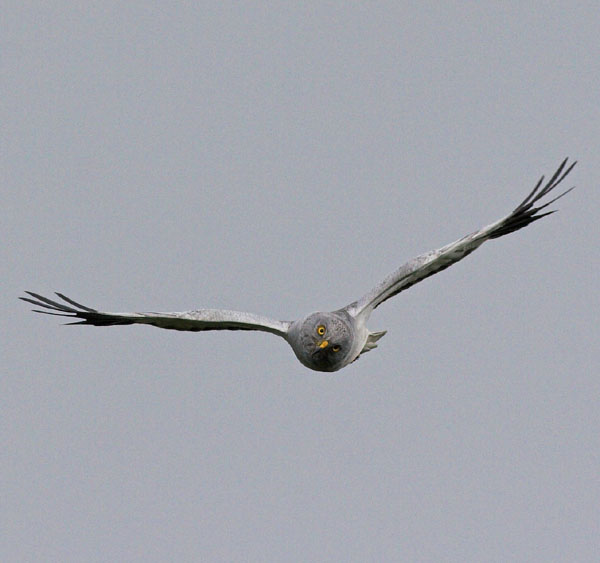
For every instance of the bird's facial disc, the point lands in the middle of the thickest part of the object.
(326, 340)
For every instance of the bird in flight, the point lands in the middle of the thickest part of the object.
(324, 341)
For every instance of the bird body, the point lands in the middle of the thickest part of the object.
(324, 341)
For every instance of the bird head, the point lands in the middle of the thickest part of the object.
(322, 341)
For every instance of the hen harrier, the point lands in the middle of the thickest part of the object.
(324, 341)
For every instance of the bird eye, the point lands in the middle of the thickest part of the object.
(336, 348)
(320, 330)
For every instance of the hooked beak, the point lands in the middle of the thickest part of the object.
(323, 344)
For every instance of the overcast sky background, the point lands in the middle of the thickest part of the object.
(282, 160)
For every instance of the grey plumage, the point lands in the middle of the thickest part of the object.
(323, 341)
(195, 321)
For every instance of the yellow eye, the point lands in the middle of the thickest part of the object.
(336, 348)
(320, 330)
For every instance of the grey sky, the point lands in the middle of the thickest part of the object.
(283, 160)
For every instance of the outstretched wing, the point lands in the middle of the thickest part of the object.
(435, 261)
(202, 319)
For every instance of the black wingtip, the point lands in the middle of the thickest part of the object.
(69, 308)
(526, 213)
(536, 194)
(68, 300)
